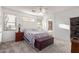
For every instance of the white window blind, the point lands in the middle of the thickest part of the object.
(28, 19)
(10, 22)
(64, 26)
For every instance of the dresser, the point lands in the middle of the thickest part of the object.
(19, 36)
(75, 45)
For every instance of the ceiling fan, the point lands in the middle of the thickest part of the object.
(39, 10)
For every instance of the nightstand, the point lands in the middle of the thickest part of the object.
(19, 36)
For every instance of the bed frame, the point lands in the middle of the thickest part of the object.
(43, 42)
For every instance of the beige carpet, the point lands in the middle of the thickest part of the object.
(59, 46)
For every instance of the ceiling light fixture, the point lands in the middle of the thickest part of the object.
(37, 12)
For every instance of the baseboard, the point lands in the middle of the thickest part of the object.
(8, 41)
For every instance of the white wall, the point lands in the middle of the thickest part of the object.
(8, 36)
(29, 25)
(0, 15)
(0, 24)
(44, 23)
(64, 18)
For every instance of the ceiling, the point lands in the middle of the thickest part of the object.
(49, 9)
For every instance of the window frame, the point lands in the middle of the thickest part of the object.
(5, 27)
(64, 26)
(28, 19)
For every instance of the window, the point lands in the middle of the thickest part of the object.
(10, 22)
(28, 19)
(64, 26)
(39, 23)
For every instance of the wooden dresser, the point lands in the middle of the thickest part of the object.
(75, 46)
(19, 36)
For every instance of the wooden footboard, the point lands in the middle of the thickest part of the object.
(41, 43)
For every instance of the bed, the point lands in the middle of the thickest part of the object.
(34, 36)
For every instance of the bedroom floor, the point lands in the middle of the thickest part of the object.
(60, 46)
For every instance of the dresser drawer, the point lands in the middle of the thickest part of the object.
(19, 35)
